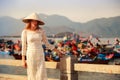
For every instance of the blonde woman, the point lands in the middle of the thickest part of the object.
(32, 38)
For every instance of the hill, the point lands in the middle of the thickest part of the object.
(54, 24)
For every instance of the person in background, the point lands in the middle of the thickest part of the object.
(117, 42)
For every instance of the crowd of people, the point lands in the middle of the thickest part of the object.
(82, 48)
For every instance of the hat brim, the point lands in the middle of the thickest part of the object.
(28, 20)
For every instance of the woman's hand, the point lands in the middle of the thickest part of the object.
(56, 50)
(24, 64)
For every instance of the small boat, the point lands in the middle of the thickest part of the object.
(97, 61)
(17, 56)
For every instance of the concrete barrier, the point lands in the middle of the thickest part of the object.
(68, 67)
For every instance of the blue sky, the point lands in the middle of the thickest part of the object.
(76, 10)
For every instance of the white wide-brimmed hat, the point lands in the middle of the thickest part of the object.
(33, 16)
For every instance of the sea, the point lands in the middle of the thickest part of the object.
(103, 40)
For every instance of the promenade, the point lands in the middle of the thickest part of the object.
(66, 69)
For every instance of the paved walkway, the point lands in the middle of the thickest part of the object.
(15, 77)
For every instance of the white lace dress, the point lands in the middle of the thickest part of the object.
(32, 48)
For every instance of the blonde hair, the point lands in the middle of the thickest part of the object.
(28, 26)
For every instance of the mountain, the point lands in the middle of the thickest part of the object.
(10, 26)
(54, 24)
(57, 20)
(57, 23)
(106, 27)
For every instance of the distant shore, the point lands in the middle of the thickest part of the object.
(15, 38)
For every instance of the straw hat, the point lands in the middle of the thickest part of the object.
(33, 16)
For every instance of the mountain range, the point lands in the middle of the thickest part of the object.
(54, 24)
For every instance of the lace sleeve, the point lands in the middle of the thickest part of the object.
(24, 42)
(45, 41)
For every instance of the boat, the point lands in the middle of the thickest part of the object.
(97, 61)
(17, 56)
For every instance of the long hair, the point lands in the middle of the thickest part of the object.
(28, 25)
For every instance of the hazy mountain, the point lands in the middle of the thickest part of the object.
(57, 20)
(10, 26)
(106, 27)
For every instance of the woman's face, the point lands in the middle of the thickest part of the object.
(34, 24)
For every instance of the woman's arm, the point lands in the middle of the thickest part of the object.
(48, 45)
(45, 40)
(24, 47)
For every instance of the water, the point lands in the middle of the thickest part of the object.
(103, 40)
(11, 38)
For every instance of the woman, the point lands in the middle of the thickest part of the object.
(32, 38)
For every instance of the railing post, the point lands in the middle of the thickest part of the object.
(67, 68)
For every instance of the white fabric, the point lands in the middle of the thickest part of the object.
(32, 48)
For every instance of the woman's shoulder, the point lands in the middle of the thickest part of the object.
(41, 30)
(24, 30)
(27, 30)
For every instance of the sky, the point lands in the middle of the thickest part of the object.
(75, 10)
